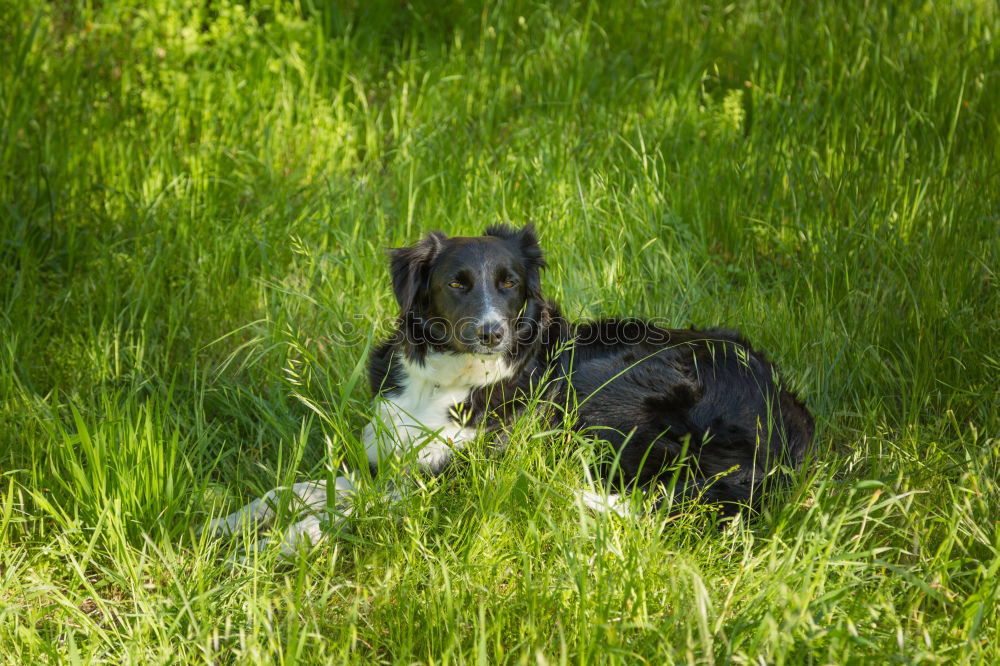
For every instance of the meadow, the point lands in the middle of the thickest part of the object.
(195, 202)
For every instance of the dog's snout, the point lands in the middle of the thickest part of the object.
(490, 333)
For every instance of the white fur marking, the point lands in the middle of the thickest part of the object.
(494, 316)
(420, 416)
(308, 497)
(599, 503)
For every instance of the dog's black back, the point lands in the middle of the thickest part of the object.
(699, 412)
(698, 409)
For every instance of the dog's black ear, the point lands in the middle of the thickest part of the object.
(409, 267)
(526, 241)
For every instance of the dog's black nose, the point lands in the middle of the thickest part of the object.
(490, 333)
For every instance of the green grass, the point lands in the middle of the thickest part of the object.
(195, 198)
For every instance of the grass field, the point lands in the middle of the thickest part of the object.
(195, 199)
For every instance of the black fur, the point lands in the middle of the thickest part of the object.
(700, 413)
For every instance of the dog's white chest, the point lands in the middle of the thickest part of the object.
(425, 418)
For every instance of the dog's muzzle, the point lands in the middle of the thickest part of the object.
(489, 336)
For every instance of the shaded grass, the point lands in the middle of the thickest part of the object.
(196, 198)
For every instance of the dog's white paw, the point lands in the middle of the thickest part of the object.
(306, 498)
(304, 535)
(601, 503)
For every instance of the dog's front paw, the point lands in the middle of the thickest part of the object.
(308, 498)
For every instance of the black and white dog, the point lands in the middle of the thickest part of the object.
(691, 415)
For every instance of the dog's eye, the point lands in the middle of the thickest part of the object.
(455, 284)
(508, 284)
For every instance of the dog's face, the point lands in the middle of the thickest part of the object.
(468, 295)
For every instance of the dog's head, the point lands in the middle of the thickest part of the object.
(476, 295)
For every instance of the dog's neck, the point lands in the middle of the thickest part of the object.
(425, 412)
(450, 371)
